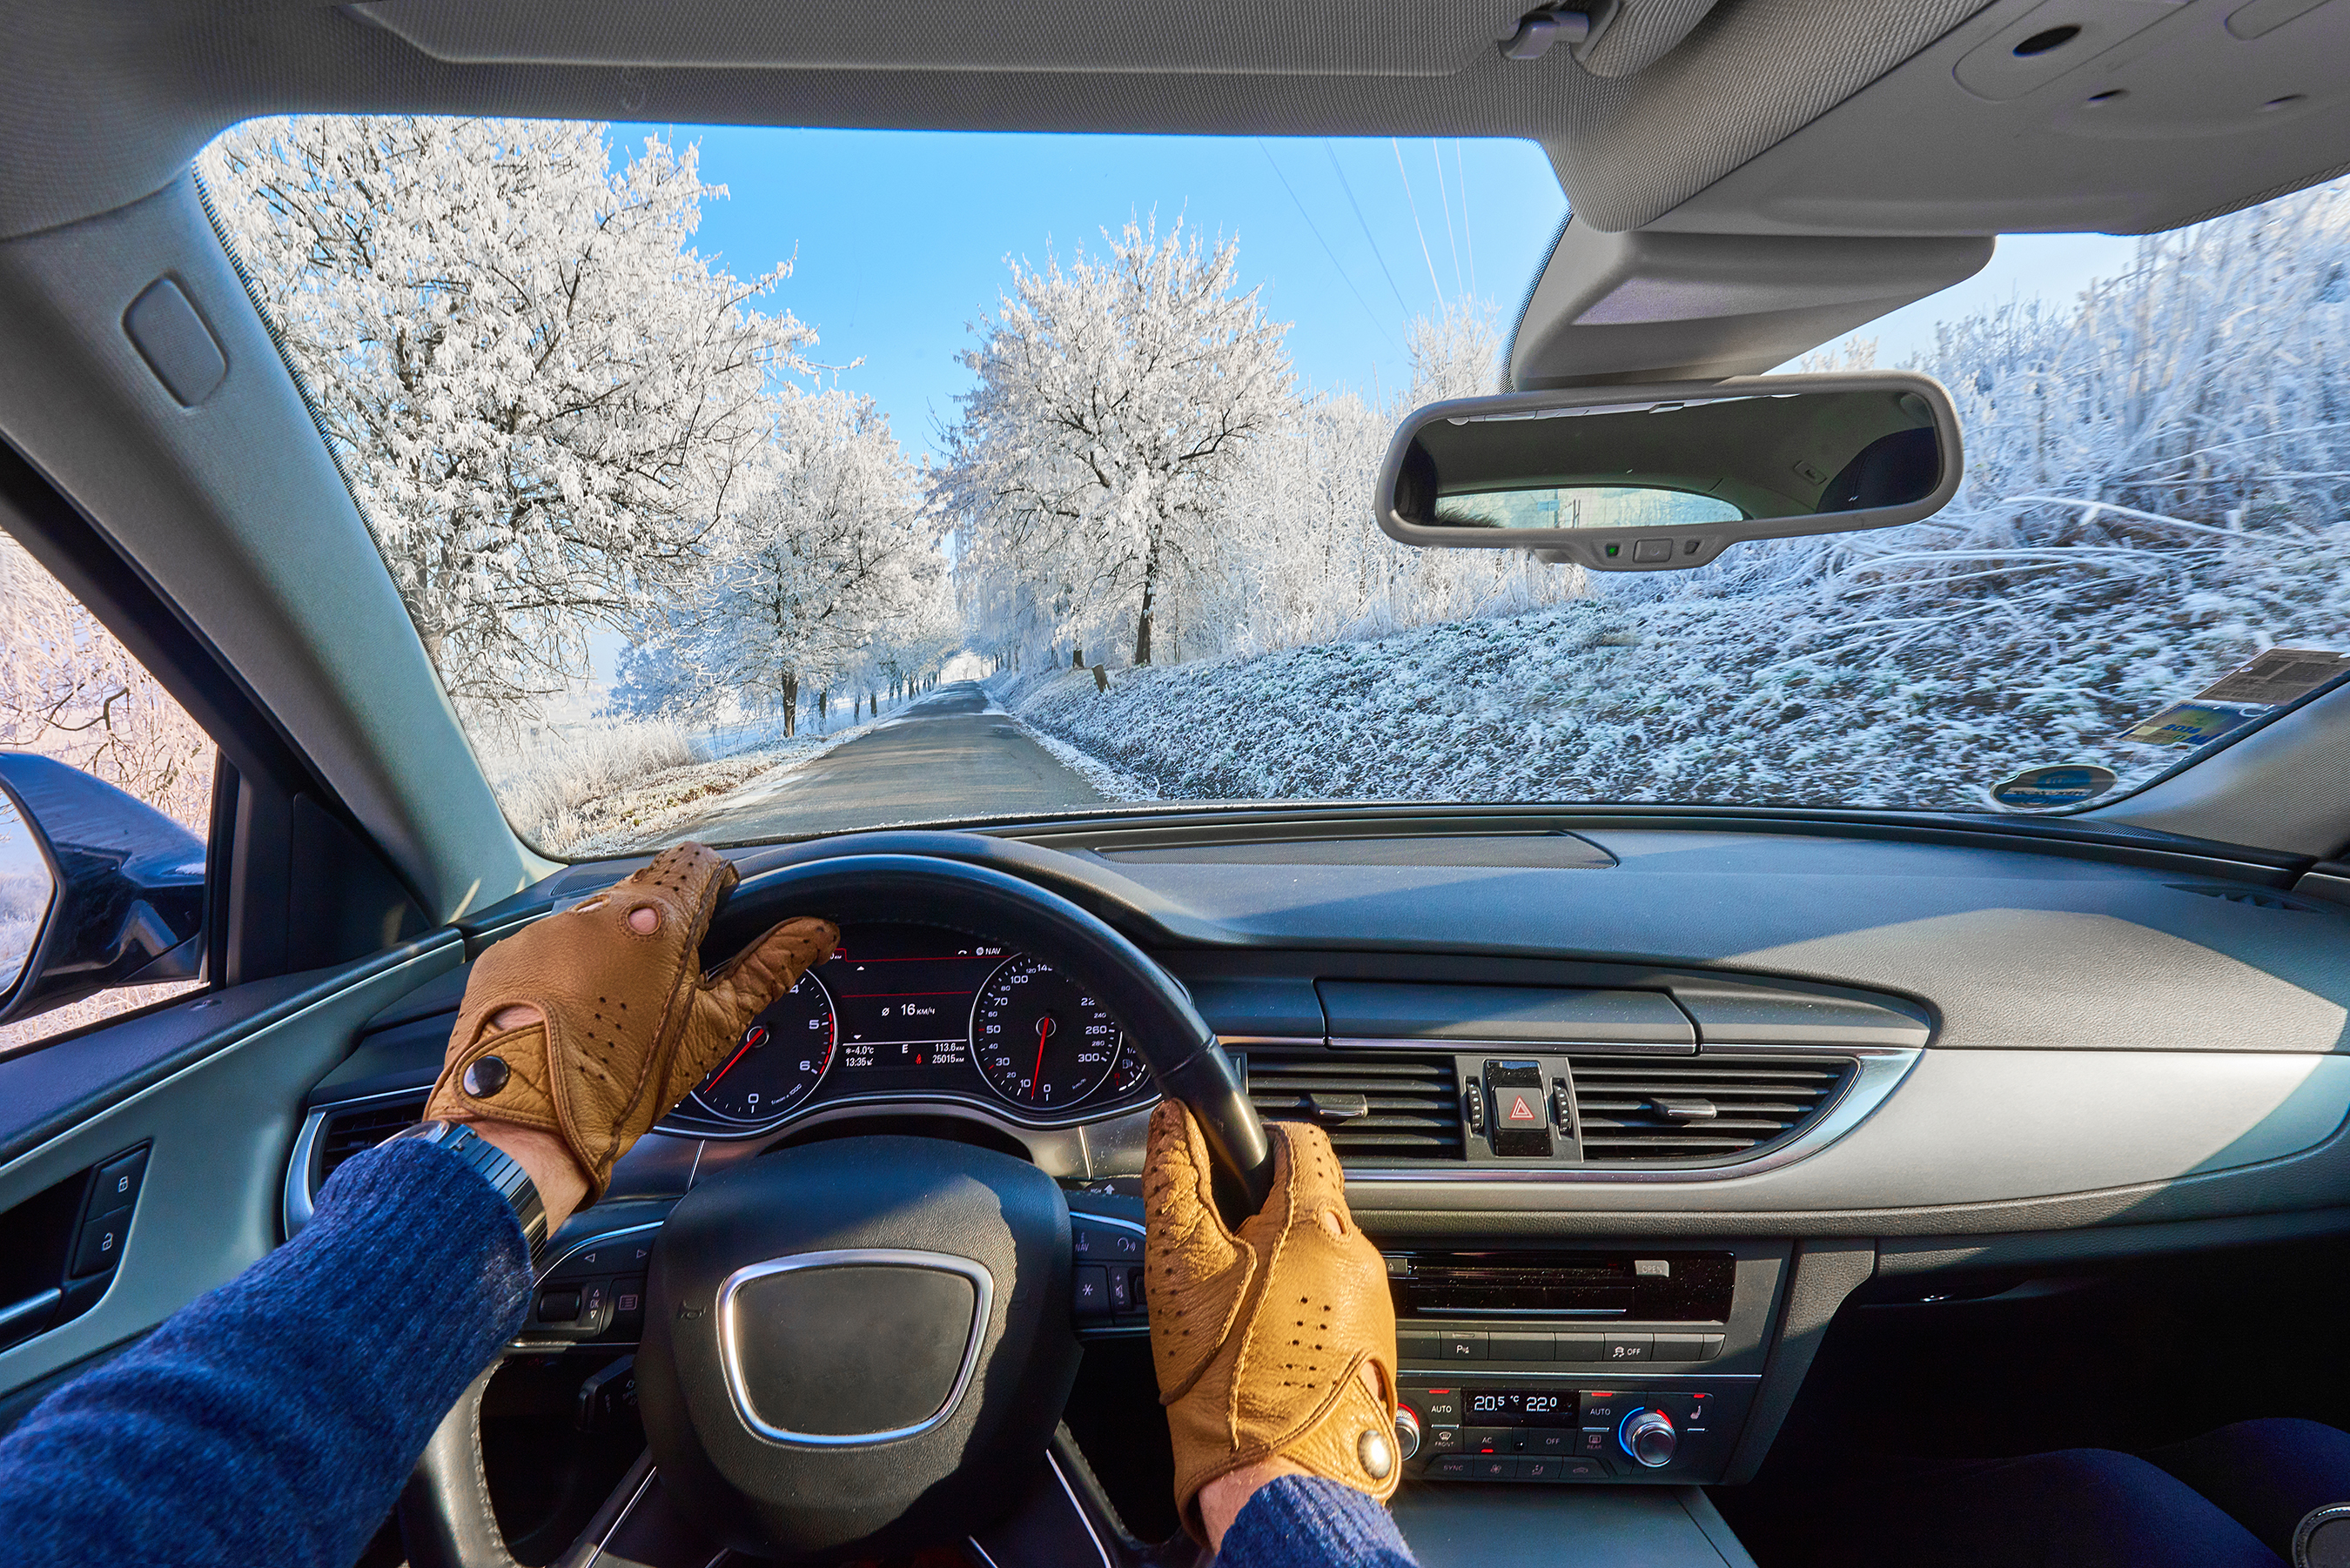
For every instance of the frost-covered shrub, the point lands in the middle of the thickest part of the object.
(546, 777)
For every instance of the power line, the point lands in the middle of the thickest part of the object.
(1335, 262)
(1437, 150)
(1414, 204)
(1467, 239)
(1371, 239)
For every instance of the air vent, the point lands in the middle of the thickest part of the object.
(1641, 1109)
(1373, 1107)
(351, 1132)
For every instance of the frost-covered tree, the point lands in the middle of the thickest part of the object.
(546, 401)
(1117, 398)
(69, 690)
(828, 571)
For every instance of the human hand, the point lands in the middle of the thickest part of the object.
(1275, 1347)
(588, 1026)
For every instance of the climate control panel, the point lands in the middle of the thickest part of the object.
(1679, 1432)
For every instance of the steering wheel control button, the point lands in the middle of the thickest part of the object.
(1089, 1290)
(558, 1306)
(486, 1076)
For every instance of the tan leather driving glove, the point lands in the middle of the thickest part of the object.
(1260, 1338)
(630, 1023)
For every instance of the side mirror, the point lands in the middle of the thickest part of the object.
(1664, 478)
(97, 889)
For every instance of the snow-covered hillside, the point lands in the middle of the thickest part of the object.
(1761, 699)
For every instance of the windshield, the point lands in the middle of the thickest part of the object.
(752, 484)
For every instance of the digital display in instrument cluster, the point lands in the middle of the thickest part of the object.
(908, 1011)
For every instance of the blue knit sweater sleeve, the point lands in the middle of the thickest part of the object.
(1307, 1521)
(274, 1420)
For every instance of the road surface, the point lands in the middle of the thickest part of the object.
(932, 760)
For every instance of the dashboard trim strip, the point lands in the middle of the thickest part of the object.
(982, 1318)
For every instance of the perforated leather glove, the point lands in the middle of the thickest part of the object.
(630, 1024)
(1260, 1338)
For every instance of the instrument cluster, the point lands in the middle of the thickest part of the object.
(909, 1011)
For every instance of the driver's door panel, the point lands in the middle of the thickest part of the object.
(213, 1088)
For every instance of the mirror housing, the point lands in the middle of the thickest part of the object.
(1666, 477)
(128, 903)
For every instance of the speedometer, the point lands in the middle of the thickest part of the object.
(1041, 1040)
(780, 1059)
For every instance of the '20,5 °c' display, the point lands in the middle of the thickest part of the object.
(915, 1011)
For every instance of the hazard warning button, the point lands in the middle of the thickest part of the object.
(1520, 1110)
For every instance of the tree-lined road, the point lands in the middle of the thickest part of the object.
(937, 759)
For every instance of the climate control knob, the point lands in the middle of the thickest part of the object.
(1406, 1431)
(1647, 1435)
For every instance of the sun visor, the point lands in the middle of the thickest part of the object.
(1644, 306)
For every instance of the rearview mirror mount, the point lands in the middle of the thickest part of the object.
(1666, 477)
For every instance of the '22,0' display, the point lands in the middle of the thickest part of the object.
(907, 1009)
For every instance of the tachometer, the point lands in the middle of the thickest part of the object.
(1040, 1039)
(780, 1060)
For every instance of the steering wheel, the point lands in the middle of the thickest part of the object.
(862, 1344)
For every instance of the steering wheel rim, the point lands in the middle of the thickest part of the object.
(445, 1510)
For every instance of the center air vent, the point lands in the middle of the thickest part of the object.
(346, 1133)
(1374, 1108)
(1643, 1108)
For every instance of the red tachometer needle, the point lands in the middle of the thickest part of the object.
(1043, 1028)
(752, 1038)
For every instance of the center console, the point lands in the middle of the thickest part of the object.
(1551, 1367)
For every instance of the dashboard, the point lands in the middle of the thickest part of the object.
(916, 1012)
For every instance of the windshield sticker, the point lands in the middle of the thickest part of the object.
(2058, 783)
(2278, 676)
(2190, 724)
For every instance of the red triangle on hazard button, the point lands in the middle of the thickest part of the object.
(1521, 1112)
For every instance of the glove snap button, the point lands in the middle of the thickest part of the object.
(1375, 1452)
(485, 1077)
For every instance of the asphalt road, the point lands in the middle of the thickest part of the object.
(932, 760)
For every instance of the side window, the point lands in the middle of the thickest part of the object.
(106, 790)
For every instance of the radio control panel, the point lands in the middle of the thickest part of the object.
(1677, 1432)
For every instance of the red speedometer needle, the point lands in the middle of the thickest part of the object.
(1043, 1028)
(749, 1040)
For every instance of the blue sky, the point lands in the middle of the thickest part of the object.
(900, 238)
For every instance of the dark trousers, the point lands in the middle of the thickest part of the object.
(2229, 1499)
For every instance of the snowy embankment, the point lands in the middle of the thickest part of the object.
(613, 787)
(1759, 698)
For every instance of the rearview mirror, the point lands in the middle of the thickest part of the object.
(108, 890)
(1663, 478)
